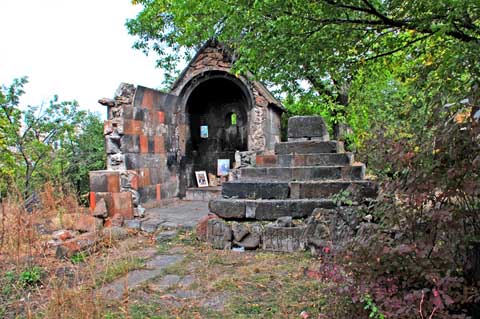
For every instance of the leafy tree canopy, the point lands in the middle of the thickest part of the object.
(50, 142)
(324, 42)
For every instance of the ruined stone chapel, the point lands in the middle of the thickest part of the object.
(156, 141)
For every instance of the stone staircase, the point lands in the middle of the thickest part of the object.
(304, 173)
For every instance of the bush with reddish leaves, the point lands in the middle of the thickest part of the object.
(424, 262)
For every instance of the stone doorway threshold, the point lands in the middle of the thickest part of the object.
(203, 194)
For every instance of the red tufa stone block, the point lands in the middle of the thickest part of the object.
(85, 242)
(158, 192)
(92, 201)
(160, 117)
(144, 177)
(266, 160)
(147, 101)
(201, 228)
(132, 127)
(121, 204)
(143, 144)
(113, 182)
(159, 144)
(107, 127)
(88, 223)
(114, 221)
(134, 182)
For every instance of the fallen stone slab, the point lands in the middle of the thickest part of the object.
(87, 242)
(135, 278)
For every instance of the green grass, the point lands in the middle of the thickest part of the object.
(120, 268)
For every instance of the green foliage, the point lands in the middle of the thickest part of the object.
(30, 276)
(375, 65)
(342, 198)
(78, 258)
(52, 142)
(370, 305)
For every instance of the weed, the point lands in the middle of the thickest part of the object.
(120, 268)
(30, 276)
(78, 258)
(342, 198)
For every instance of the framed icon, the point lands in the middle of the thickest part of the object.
(202, 179)
(223, 167)
(204, 131)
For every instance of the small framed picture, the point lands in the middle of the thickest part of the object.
(223, 167)
(203, 131)
(202, 180)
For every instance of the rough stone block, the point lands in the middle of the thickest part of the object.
(309, 147)
(100, 209)
(130, 144)
(266, 160)
(307, 126)
(358, 190)
(159, 144)
(316, 173)
(143, 144)
(219, 234)
(88, 223)
(256, 190)
(104, 181)
(129, 179)
(354, 172)
(284, 239)
(112, 144)
(132, 127)
(86, 242)
(228, 209)
(122, 204)
(148, 98)
(201, 228)
(335, 159)
(267, 209)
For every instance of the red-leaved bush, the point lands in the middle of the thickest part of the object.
(424, 262)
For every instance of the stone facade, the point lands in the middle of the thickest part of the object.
(153, 140)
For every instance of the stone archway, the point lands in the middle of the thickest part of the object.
(220, 103)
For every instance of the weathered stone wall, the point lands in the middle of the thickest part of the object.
(141, 145)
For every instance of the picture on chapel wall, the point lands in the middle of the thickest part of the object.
(223, 167)
(202, 180)
(204, 131)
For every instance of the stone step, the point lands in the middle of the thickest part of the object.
(357, 190)
(298, 190)
(309, 147)
(256, 190)
(303, 173)
(289, 160)
(203, 194)
(267, 209)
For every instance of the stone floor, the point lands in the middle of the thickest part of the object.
(178, 214)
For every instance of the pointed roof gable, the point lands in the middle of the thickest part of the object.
(212, 56)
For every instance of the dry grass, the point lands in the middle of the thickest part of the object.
(33, 282)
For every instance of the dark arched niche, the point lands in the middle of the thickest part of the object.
(220, 102)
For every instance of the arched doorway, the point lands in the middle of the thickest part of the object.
(217, 117)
